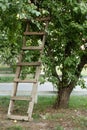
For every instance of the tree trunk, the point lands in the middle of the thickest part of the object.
(63, 97)
(63, 94)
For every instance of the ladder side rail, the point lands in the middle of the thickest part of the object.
(15, 85)
(19, 67)
(18, 70)
(35, 85)
(38, 69)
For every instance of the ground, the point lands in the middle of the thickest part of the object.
(63, 119)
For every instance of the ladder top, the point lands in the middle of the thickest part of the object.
(29, 64)
(38, 19)
(34, 33)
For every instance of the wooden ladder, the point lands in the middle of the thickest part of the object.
(22, 63)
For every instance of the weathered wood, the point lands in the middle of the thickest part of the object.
(34, 33)
(29, 64)
(42, 19)
(21, 98)
(16, 117)
(32, 48)
(25, 80)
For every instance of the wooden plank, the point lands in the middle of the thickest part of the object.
(25, 81)
(39, 19)
(42, 19)
(29, 64)
(20, 98)
(18, 117)
(34, 33)
(32, 48)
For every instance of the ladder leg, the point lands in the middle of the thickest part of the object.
(38, 70)
(31, 104)
(30, 110)
(14, 91)
(11, 105)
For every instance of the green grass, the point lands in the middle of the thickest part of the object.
(6, 79)
(75, 102)
(43, 107)
(15, 128)
(58, 127)
(4, 103)
(6, 69)
(78, 102)
(21, 106)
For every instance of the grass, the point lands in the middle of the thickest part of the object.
(78, 102)
(15, 128)
(58, 127)
(6, 69)
(6, 79)
(21, 106)
(43, 110)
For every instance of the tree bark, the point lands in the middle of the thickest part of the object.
(63, 94)
(63, 97)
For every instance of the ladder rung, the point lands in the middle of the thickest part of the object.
(17, 117)
(43, 19)
(40, 19)
(32, 48)
(29, 64)
(34, 33)
(21, 98)
(25, 81)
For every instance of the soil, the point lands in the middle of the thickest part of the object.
(49, 120)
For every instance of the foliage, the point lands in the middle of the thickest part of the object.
(67, 33)
(66, 44)
(14, 128)
(12, 27)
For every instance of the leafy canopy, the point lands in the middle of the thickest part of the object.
(11, 26)
(67, 32)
